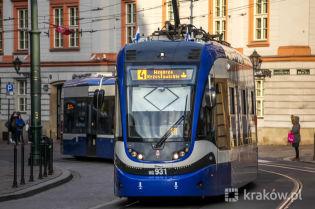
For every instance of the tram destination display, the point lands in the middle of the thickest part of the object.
(155, 74)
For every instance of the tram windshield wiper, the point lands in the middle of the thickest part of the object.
(169, 131)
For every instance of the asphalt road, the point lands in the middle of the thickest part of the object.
(92, 188)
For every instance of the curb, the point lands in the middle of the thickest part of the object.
(304, 161)
(65, 177)
(307, 161)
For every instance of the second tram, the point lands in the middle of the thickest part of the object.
(88, 128)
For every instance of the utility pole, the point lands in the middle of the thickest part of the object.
(191, 11)
(36, 126)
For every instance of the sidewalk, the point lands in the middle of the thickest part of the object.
(286, 152)
(58, 177)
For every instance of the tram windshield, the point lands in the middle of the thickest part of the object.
(159, 102)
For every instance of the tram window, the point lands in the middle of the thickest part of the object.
(117, 120)
(232, 101)
(106, 116)
(244, 102)
(75, 116)
(205, 127)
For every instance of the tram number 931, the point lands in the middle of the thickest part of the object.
(158, 172)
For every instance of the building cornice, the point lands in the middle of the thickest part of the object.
(65, 64)
(288, 58)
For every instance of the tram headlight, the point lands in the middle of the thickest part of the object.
(186, 149)
(134, 154)
(140, 156)
(182, 154)
(175, 156)
(130, 150)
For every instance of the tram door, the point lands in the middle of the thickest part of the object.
(91, 132)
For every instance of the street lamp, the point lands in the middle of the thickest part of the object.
(256, 60)
(17, 65)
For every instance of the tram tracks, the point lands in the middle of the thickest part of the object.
(304, 169)
(122, 203)
(298, 186)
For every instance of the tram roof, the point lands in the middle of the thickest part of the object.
(89, 81)
(181, 51)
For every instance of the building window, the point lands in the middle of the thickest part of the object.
(281, 72)
(130, 21)
(260, 98)
(67, 15)
(22, 29)
(58, 20)
(219, 17)
(22, 101)
(73, 24)
(261, 20)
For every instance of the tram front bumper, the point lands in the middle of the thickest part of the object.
(199, 183)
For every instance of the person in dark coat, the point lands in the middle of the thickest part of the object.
(19, 128)
(297, 137)
(12, 127)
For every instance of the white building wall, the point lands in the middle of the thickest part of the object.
(8, 26)
(237, 31)
(311, 38)
(149, 16)
(200, 14)
(294, 22)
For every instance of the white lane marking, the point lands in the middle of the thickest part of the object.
(298, 186)
(133, 203)
(115, 201)
(310, 170)
(264, 161)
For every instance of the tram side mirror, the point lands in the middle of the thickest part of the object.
(98, 98)
(211, 97)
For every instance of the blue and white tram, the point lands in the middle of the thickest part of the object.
(185, 120)
(87, 128)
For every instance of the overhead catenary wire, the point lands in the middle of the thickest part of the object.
(118, 16)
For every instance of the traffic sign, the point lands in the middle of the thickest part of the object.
(9, 87)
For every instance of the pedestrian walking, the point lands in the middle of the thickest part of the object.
(19, 128)
(12, 127)
(297, 137)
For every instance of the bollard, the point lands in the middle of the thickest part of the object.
(22, 164)
(31, 163)
(45, 157)
(15, 167)
(40, 176)
(51, 158)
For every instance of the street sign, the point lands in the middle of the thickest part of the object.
(9, 87)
